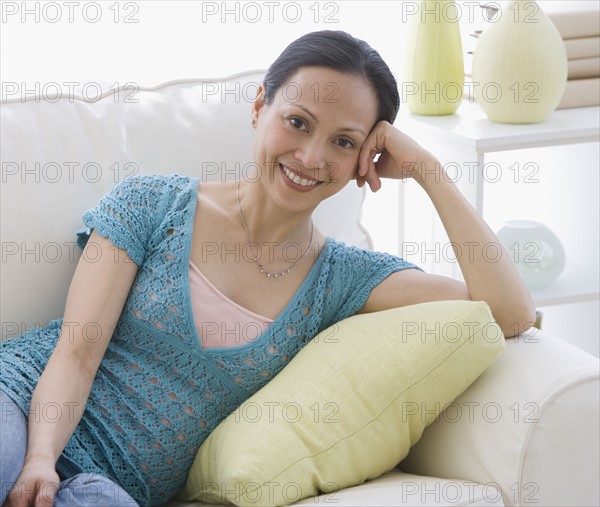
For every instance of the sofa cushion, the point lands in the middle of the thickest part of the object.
(531, 417)
(59, 156)
(396, 488)
(349, 405)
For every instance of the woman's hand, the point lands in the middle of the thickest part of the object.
(36, 486)
(400, 156)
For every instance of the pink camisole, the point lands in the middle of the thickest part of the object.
(221, 322)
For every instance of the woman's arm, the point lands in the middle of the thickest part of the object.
(494, 281)
(95, 300)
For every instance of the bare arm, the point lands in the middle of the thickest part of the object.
(94, 303)
(494, 281)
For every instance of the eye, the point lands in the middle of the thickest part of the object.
(297, 123)
(345, 142)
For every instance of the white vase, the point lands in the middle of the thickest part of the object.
(433, 74)
(536, 251)
(520, 65)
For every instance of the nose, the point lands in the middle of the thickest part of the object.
(312, 154)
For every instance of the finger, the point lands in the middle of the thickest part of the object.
(46, 494)
(372, 178)
(367, 171)
(19, 499)
(363, 160)
(374, 144)
(17, 496)
(367, 152)
(375, 185)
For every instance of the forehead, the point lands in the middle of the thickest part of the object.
(331, 93)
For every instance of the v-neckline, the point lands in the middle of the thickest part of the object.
(189, 315)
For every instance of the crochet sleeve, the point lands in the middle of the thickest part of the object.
(361, 271)
(127, 215)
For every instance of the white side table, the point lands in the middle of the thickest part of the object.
(462, 142)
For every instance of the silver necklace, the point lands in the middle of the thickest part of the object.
(260, 266)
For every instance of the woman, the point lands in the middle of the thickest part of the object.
(197, 300)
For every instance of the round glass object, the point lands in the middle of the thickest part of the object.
(536, 251)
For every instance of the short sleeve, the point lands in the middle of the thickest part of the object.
(361, 271)
(127, 215)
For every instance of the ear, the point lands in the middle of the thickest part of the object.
(258, 104)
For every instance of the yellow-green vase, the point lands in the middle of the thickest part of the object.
(520, 65)
(434, 74)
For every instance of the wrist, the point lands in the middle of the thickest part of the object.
(428, 171)
(40, 459)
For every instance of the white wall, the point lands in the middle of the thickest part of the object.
(165, 40)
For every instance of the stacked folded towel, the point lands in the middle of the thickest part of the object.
(580, 30)
(578, 23)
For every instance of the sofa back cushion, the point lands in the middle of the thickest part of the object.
(60, 154)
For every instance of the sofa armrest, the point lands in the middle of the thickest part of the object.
(529, 425)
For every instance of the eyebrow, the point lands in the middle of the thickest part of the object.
(344, 129)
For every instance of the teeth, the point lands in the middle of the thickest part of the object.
(296, 179)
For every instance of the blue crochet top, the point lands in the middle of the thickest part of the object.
(157, 394)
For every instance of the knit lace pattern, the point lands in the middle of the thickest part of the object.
(157, 394)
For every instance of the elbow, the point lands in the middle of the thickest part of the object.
(521, 318)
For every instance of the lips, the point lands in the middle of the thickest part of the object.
(299, 179)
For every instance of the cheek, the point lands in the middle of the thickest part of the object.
(344, 169)
(271, 141)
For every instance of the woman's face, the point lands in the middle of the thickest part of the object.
(309, 137)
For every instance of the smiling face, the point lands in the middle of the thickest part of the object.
(309, 137)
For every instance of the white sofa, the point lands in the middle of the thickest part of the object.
(527, 431)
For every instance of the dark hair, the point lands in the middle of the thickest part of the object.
(340, 51)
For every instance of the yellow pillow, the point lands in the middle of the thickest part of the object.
(348, 407)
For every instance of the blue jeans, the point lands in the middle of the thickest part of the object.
(81, 490)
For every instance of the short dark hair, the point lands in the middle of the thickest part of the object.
(340, 51)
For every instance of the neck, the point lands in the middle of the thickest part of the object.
(269, 223)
